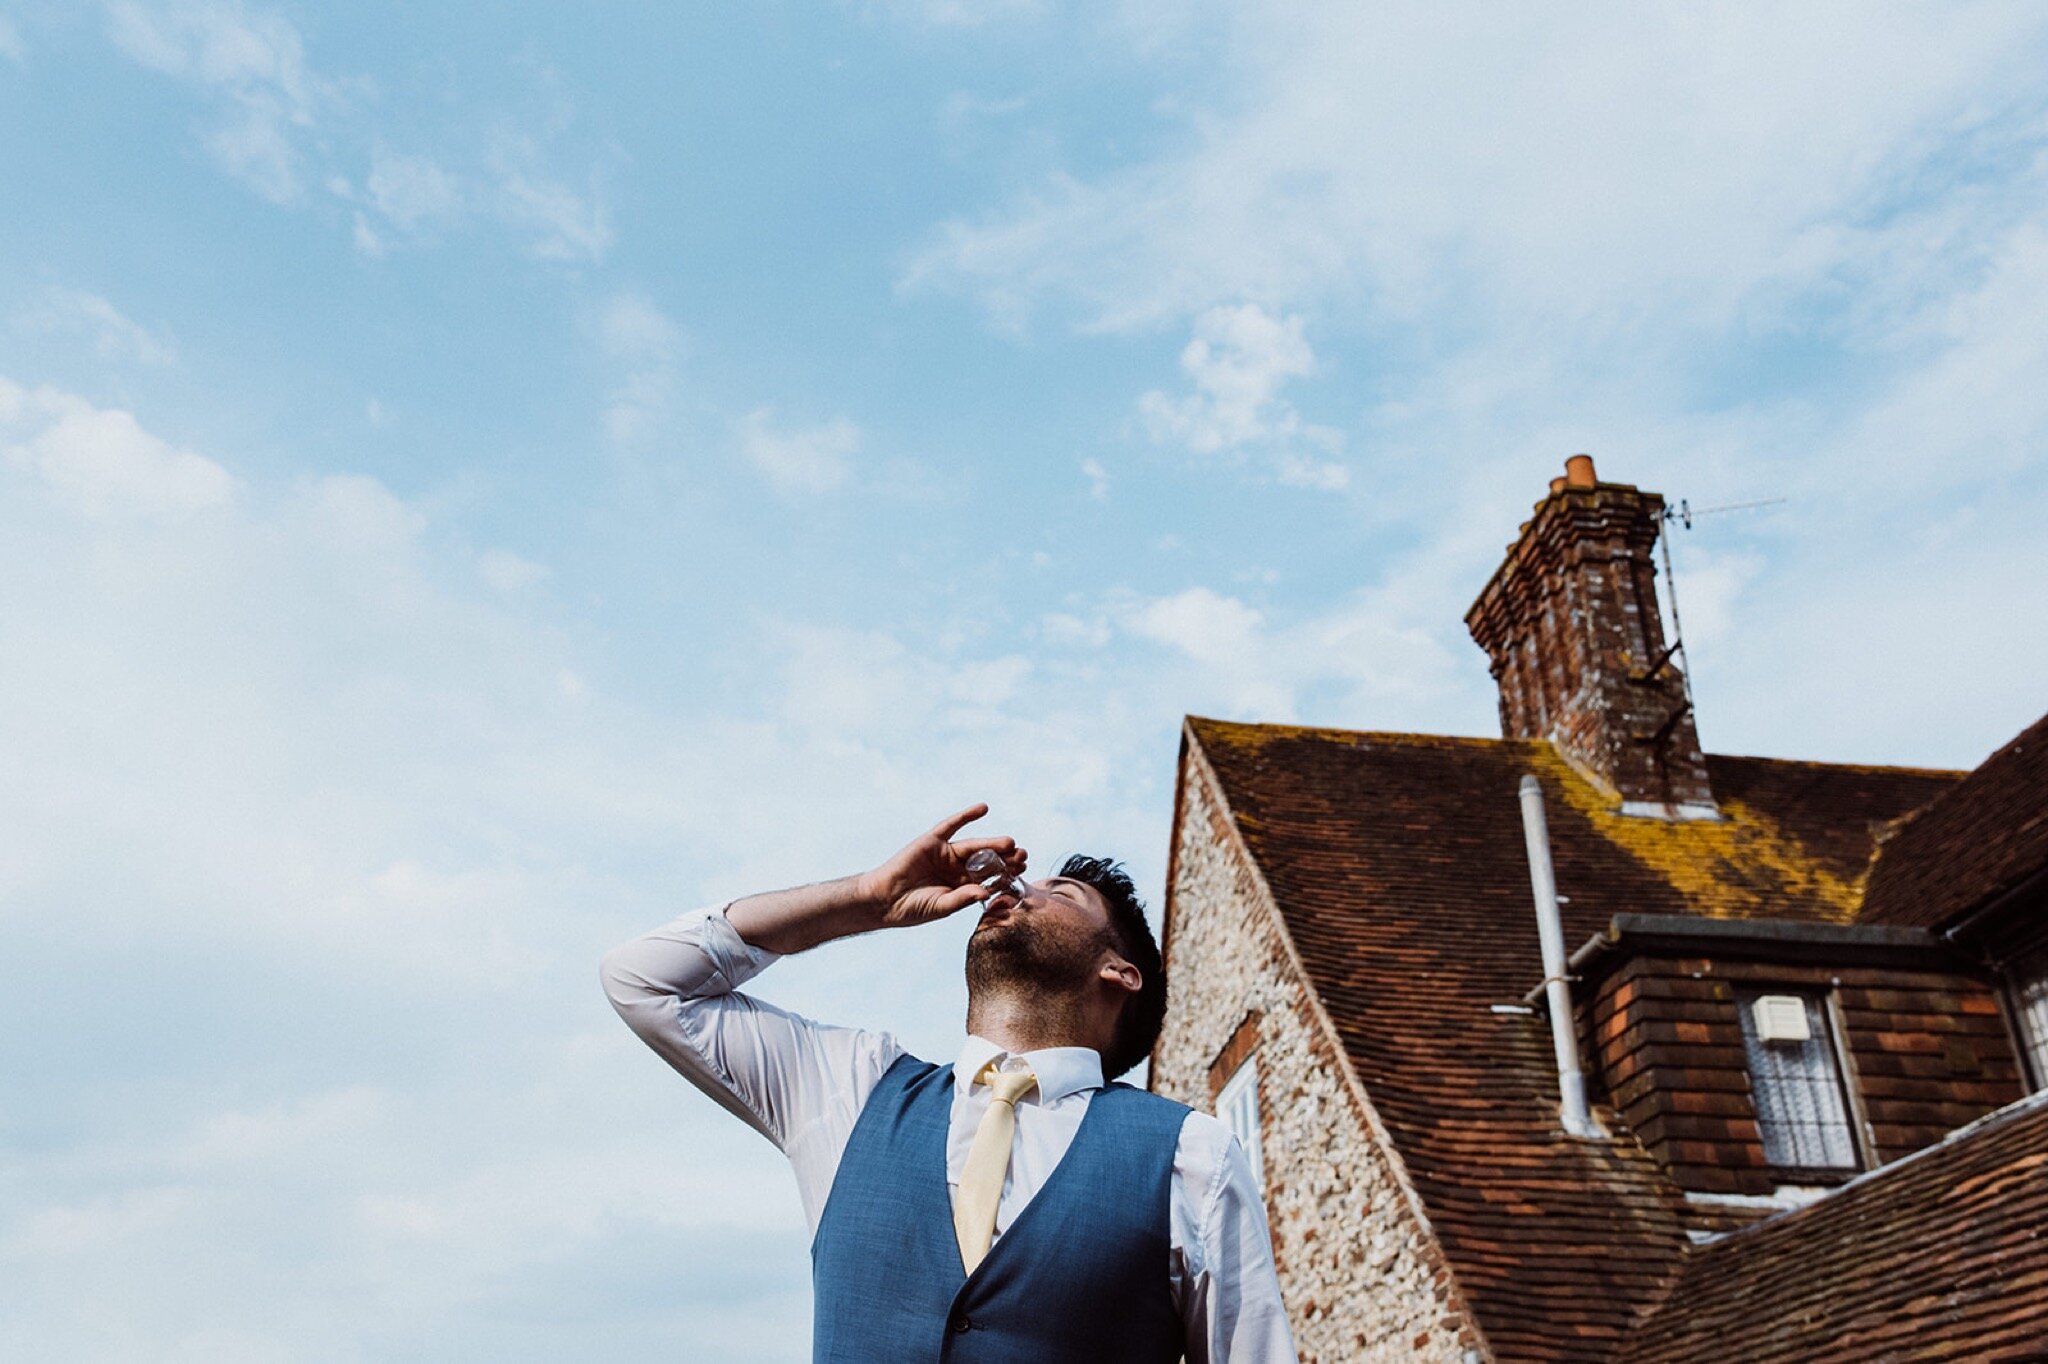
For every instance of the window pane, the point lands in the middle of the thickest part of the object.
(2030, 982)
(1238, 1105)
(1799, 1106)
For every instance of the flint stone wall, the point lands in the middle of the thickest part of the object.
(1361, 1275)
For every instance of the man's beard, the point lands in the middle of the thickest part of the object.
(1024, 952)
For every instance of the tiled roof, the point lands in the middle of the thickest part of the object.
(1976, 842)
(1942, 1255)
(1397, 864)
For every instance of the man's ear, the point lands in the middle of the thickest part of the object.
(1123, 973)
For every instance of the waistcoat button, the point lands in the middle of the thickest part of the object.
(962, 1323)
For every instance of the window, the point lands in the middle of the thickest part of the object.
(2030, 1012)
(1801, 1110)
(1237, 1103)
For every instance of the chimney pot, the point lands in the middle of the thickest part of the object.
(1557, 485)
(1578, 472)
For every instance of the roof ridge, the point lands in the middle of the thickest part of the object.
(1914, 768)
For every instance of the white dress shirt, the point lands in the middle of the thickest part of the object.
(802, 1085)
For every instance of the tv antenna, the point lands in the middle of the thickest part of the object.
(1683, 514)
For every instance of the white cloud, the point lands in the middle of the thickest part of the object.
(1238, 360)
(1229, 642)
(411, 198)
(965, 118)
(810, 459)
(632, 327)
(278, 122)
(1739, 253)
(641, 341)
(1379, 652)
(1301, 471)
(1201, 624)
(1098, 479)
(280, 1130)
(1064, 629)
(254, 64)
(218, 42)
(954, 13)
(366, 238)
(413, 193)
(1713, 586)
(257, 148)
(114, 335)
(1605, 166)
(10, 42)
(561, 224)
(508, 572)
(101, 462)
(311, 813)
(412, 190)
(65, 1231)
(1972, 398)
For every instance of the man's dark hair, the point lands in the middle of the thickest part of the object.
(1145, 1012)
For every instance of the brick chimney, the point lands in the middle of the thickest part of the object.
(1571, 626)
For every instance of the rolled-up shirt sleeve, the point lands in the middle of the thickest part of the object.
(799, 1083)
(1231, 1298)
(675, 988)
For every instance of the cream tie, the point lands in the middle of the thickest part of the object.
(988, 1160)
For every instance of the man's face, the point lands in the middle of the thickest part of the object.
(1052, 938)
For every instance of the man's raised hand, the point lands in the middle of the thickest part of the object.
(927, 878)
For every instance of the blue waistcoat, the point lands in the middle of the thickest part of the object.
(1080, 1276)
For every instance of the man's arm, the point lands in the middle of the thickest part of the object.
(925, 881)
(677, 987)
(1231, 1304)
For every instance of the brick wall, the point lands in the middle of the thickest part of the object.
(1362, 1277)
(1574, 637)
(1928, 1052)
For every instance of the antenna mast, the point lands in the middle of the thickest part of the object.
(1683, 515)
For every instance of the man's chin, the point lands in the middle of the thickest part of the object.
(1000, 945)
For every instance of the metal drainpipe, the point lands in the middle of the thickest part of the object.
(1571, 1081)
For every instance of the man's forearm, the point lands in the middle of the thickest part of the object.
(786, 921)
(925, 881)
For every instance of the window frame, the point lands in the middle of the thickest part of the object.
(1239, 1095)
(1823, 1017)
(2026, 969)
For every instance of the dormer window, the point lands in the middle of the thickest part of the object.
(1802, 1111)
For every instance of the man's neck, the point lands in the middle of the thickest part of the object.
(1019, 1022)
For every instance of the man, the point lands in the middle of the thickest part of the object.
(1011, 1206)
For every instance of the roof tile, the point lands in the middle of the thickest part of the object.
(1971, 845)
(1930, 1257)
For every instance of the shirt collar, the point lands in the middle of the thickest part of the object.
(1060, 1070)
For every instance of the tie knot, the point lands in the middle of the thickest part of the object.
(1009, 1085)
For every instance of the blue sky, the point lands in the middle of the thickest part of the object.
(473, 485)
